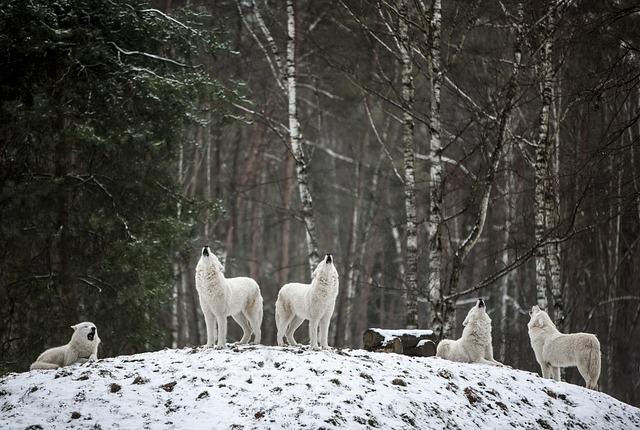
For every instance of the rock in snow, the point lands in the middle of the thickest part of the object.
(263, 387)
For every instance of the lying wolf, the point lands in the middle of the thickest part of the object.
(475, 344)
(554, 350)
(221, 297)
(82, 347)
(314, 302)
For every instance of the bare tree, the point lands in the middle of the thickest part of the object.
(411, 253)
(547, 258)
(436, 185)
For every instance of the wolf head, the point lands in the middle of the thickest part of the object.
(477, 313)
(209, 261)
(326, 269)
(85, 333)
(539, 318)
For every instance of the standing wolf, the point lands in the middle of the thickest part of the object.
(554, 350)
(221, 297)
(314, 302)
(82, 347)
(475, 344)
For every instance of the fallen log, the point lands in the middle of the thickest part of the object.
(416, 343)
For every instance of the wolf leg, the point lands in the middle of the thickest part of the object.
(291, 329)
(490, 362)
(222, 331)
(313, 333)
(242, 320)
(324, 330)
(546, 370)
(210, 322)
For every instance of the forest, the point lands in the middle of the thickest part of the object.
(440, 151)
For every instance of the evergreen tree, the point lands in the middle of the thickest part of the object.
(95, 97)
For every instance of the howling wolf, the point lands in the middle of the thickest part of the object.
(82, 347)
(221, 297)
(475, 344)
(314, 302)
(554, 350)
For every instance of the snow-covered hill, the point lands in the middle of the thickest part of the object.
(247, 387)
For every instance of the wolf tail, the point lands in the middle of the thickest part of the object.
(593, 364)
(442, 350)
(281, 320)
(43, 365)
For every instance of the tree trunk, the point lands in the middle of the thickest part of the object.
(411, 251)
(285, 227)
(436, 184)
(352, 275)
(543, 193)
(295, 136)
(506, 281)
(553, 208)
(470, 241)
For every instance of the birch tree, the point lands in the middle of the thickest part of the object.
(436, 185)
(545, 255)
(295, 135)
(287, 81)
(410, 278)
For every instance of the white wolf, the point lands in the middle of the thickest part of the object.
(314, 302)
(221, 297)
(554, 350)
(475, 344)
(82, 347)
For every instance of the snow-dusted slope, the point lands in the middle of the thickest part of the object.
(268, 387)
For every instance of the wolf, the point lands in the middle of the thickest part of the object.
(554, 350)
(475, 344)
(314, 302)
(82, 347)
(221, 297)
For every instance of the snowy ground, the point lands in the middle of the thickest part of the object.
(263, 387)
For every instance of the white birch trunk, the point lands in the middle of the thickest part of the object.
(295, 136)
(543, 170)
(434, 220)
(411, 252)
(553, 211)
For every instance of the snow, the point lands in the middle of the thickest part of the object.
(262, 387)
(389, 335)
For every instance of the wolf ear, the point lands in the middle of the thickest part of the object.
(466, 320)
(74, 327)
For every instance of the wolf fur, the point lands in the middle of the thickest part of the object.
(82, 347)
(475, 344)
(554, 350)
(314, 302)
(220, 297)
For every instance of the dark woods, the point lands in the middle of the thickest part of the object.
(439, 151)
